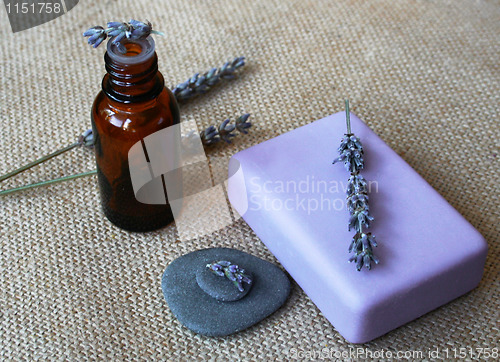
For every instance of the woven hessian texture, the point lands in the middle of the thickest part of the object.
(424, 75)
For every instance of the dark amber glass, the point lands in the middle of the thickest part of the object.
(133, 104)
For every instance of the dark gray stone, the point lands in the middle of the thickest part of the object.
(222, 288)
(206, 315)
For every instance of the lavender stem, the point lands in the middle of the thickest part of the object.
(37, 162)
(49, 182)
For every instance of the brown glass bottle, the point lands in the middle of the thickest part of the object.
(133, 104)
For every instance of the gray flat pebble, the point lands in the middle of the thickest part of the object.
(204, 314)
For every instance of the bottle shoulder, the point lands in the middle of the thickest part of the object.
(147, 116)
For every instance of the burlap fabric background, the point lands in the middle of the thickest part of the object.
(423, 74)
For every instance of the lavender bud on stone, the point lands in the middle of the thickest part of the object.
(229, 275)
(246, 279)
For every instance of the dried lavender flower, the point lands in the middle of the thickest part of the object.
(351, 153)
(86, 138)
(140, 29)
(118, 31)
(96, 35)
(242, 124)
(362, 244)
(231, 271)
(199, 84)
(360, 217)
(357, 201)
(209, 136)
(356, 184)
(224, 131)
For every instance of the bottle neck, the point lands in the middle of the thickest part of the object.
(132, 77)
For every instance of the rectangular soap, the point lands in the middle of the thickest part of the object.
(291, 195)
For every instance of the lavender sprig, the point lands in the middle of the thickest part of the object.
(351, 154)
(199, 84)
(232, 272)
(117, 31)
(224, 131)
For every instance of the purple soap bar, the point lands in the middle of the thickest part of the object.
(291, 195)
